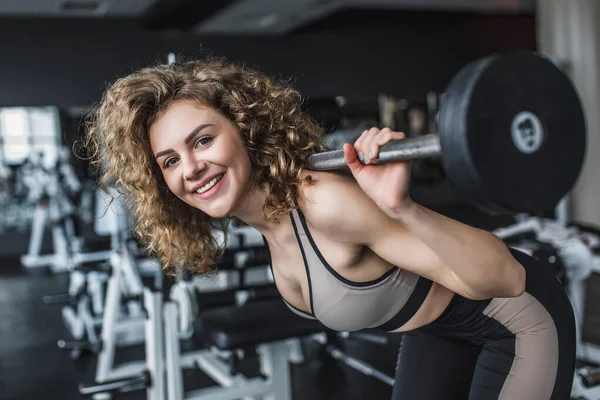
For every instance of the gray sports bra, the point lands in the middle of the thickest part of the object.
(385, 303)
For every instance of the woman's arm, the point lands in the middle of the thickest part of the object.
(470, 261)
(477, 259)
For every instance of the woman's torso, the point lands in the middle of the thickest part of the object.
(354, 263)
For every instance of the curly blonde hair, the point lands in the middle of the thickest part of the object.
(278, 135)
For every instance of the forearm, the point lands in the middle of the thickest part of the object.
(477, 258)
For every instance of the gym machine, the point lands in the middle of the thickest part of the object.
(106, 297)
(53, 191)
(227, 323)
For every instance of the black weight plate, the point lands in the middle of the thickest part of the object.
(517, 135)
(455, 153)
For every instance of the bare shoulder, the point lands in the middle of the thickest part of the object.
(336, 205)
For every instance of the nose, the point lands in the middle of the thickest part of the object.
(192, 168)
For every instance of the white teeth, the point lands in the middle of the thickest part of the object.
(209, 184)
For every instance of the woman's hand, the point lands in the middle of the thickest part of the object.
(386, 184)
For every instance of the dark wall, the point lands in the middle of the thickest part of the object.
(70, 62)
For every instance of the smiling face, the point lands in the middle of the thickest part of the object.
(202, 157)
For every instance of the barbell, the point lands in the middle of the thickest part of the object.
(511, 134)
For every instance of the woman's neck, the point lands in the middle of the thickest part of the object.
(250, 210)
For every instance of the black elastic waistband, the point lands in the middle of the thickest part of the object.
(454, 304)
(414, 302)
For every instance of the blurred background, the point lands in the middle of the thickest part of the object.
(81, 304)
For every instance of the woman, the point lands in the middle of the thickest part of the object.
(195, 143)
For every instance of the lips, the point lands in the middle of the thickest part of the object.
(204, 182)
(213, 190)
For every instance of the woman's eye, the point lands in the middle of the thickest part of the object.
(170, 162)
(203, 141)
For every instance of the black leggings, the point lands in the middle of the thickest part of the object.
(520, 348)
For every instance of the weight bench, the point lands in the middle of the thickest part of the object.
(266, 326)
(225, 330)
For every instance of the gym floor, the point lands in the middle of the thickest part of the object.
(32, 366)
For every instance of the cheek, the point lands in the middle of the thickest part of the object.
(245, 166)
(171, 183)
(238, 155)
(241, 152)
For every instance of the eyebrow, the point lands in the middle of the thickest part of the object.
(189, 137)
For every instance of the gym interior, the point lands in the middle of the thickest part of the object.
(87, 312)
